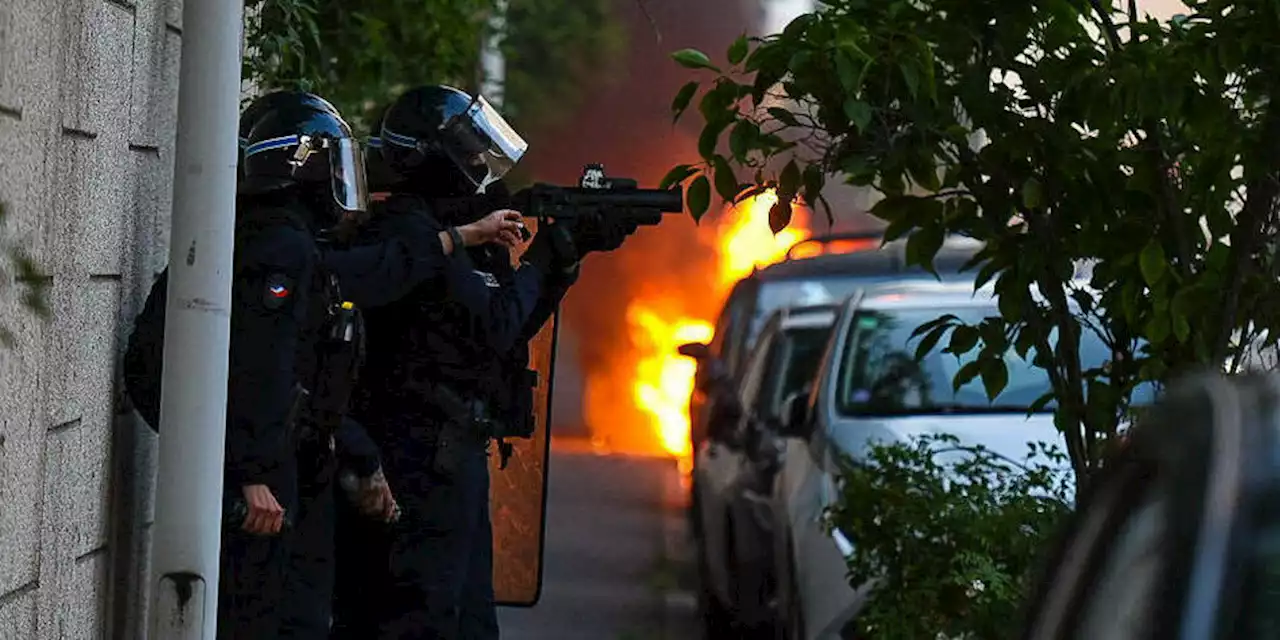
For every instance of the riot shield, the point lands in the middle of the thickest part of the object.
(518, 494)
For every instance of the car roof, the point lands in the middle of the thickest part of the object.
(807, 317)
(886, 260)
(923, 294)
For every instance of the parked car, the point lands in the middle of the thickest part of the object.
(1179, 537)
(733, 478)
(823, 269)
(870, 389)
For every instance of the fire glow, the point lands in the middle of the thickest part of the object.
(662, 380)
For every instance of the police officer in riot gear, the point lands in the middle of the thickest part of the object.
(445, 374)
(367, 275)
(302, 173)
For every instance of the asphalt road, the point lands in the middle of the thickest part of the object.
(614, 539)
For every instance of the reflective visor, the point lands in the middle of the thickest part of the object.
(481, 143)
(350, 188)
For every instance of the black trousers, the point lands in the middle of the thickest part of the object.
(251, 584)
(309, 577)
(429, 576)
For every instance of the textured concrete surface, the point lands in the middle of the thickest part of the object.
(606, 574)
(88, 93)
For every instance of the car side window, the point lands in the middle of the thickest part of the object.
(764, 376)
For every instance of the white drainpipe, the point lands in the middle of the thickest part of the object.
(184, 571)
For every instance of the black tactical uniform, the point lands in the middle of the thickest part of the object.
(444, 376)
(290, 335)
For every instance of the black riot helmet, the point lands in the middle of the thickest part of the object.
(300, 145)
(265, 103)
(381, 176)
(440, 140)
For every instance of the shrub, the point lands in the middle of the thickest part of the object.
(952, 532)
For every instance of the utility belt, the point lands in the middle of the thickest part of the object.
(464, 421)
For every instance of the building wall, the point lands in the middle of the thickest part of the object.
(87, 110)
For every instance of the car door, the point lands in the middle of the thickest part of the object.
(1179, 536)
(719, 464)
(827, 598)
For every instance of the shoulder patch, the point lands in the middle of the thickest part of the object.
(490, 280)
(278, 290)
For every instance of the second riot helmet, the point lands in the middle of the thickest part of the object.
(439, 134)
(301, 144)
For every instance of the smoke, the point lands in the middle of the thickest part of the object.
(624, 121)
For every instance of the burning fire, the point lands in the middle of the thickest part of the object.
(663, 379)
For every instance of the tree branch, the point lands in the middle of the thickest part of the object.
(1261, 192)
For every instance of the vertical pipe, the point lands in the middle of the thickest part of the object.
(184, 578)
(493, 64)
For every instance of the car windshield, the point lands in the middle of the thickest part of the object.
(880, 376)
(777, 294)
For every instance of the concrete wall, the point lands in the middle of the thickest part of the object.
(87, 109)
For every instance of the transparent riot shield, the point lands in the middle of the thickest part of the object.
(518, 494)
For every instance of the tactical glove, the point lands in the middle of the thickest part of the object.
(553, 250)
(602, 234)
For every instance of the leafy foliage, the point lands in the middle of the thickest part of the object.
(23, 271)
(361, 54)
(1120, 170)
(952, 532)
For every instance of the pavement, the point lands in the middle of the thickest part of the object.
(616, 557)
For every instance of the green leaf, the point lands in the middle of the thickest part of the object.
(677, 175)
(699, 197)
(995, 376)
(1158, 328)
(814, 179)
(741, 138)
(726, 181)
(963, 339)
(710, 138)
(988, 271)
(946, 320)
(784, 116)
(847, 71)
(682, 100)
(1032, 194)
(930, 341)
(780, 215)
(693, 59)
(789, 181)
(924, 244)
(738, 50)
(1181, 328)
(966, 374)
(1040, 403)
(910, 76)
(1152, 262)
(858, 112)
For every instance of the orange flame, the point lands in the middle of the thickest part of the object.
(663, 379)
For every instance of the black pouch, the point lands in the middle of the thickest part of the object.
(520, 421)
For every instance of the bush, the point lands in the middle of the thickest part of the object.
(953, 533)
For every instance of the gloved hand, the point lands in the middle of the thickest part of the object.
(600, 233)
(553, 249)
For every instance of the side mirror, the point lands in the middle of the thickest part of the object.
(795, 416)
(695, 350)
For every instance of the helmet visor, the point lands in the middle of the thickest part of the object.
(481, 143)
(350, 188)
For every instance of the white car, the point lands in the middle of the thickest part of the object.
(733, 477)
(870, 389)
